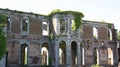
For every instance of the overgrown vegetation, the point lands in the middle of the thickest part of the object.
(96, 65)
(110, 25)
(77, 17)
(77, 21)
(3, 20)
(2, 44)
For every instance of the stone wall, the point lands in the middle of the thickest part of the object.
(16, 24)
(34, 54)
(87, 31)
(35, 26)
(13, 53)
(88, 55)
(102, 33)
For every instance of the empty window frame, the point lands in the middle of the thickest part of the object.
(63, 24)
(95, 33)
(9, 24)
(45, 28)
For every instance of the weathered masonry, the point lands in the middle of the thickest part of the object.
(37, 40)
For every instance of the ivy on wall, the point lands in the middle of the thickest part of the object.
(77, 17)
(110, 25)
(3, 20)
(77, 20)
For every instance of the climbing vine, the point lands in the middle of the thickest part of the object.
(77, 21)
(77, 17)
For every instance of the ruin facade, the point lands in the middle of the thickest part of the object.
(38, 40)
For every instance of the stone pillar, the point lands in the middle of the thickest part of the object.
(40, 55)
(19, 54)
(73, 55)
(115, 56)
(3, 61)
(56, 54)
(68, 54)
(28, 57)
(78, 55)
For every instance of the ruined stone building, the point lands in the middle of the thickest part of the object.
(35, 40)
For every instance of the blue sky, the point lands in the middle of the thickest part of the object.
(96, 10)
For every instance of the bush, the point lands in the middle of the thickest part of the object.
(96, 65)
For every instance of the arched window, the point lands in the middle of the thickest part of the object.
(96, 56)
(95, 33)
(45, 54)
(62, 53)
(24, 54)
(110, 56)
(74, 53)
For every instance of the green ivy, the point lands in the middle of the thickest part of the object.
(2, 44)
(3, 20)
(77, 17)
(110, 25)
(77, 21)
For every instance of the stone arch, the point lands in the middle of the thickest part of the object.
(62, 52)
(110, 56)
(24, 53)
(95, 33)
(96, 55)
(44, 53)
(74, 53)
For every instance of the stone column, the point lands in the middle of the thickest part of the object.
(56, 54)
(2, 61)
(78, 55)
(28, 56)
(19, 54)
(40, 55)
(68, 54)
(115, 56)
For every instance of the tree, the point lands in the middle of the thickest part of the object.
(2, 44)
(3, 20)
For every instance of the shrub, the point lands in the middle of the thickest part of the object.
(96, 65)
